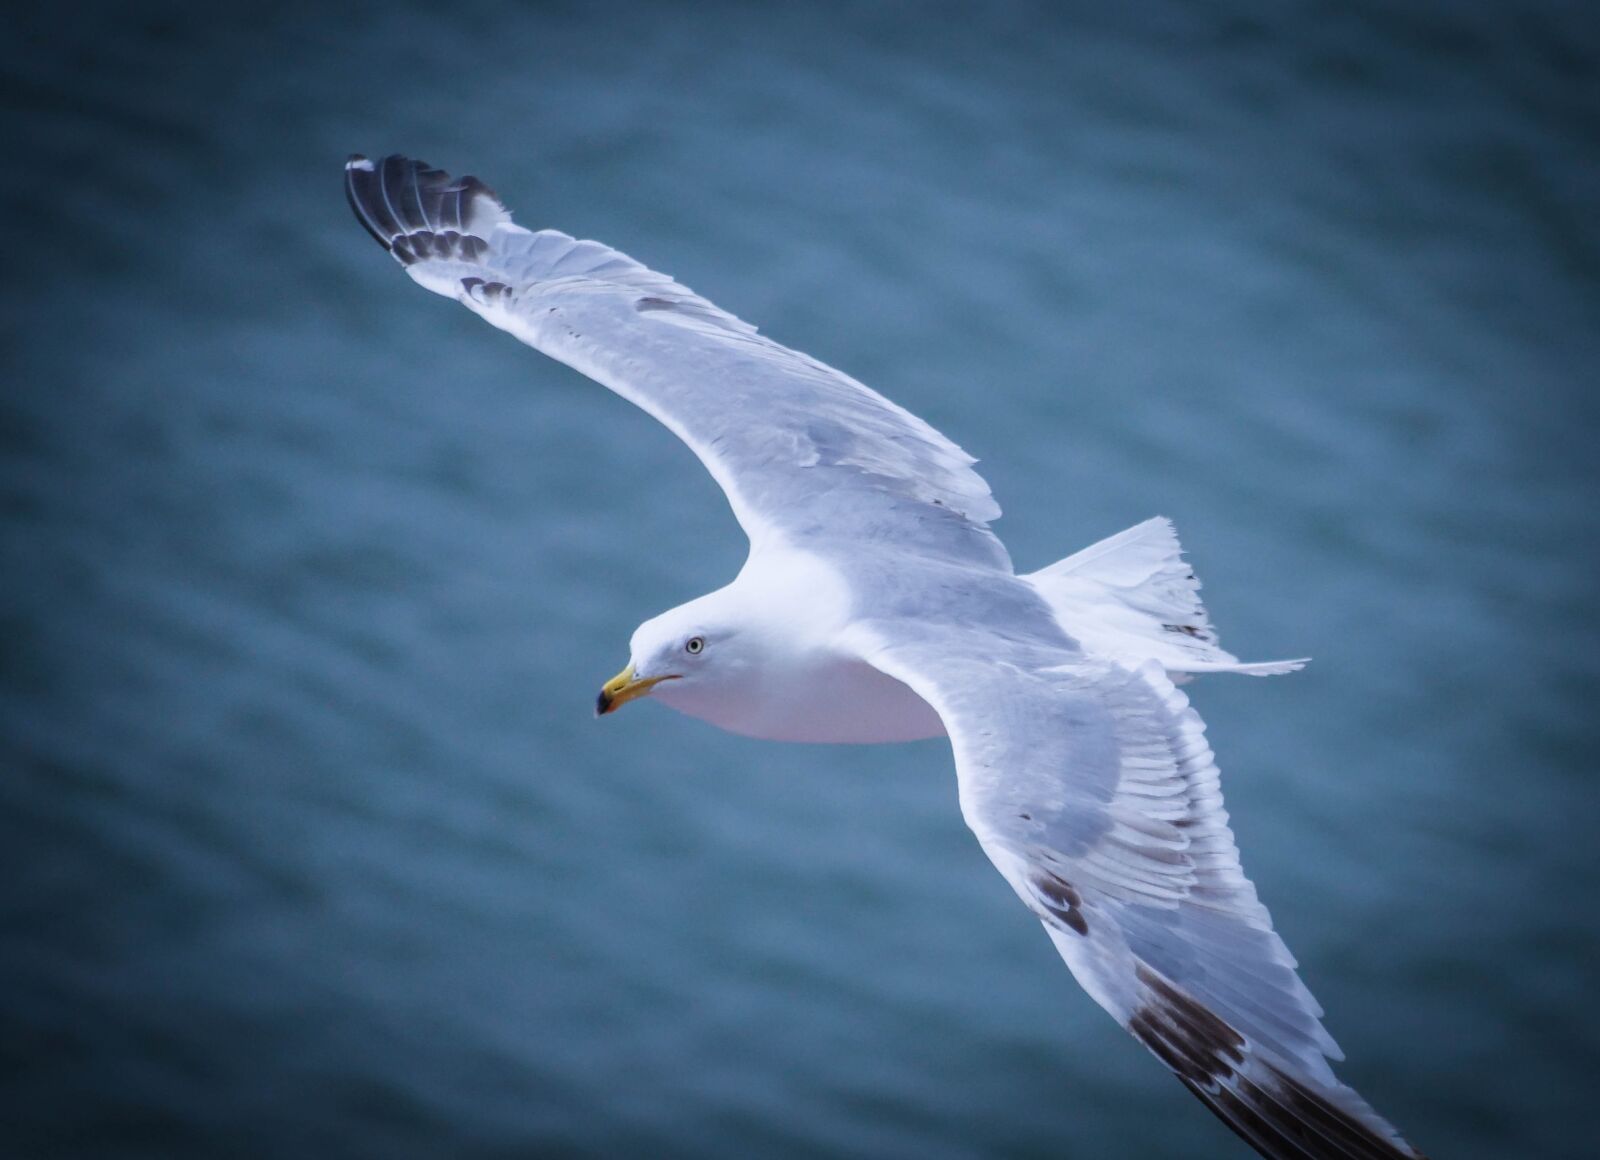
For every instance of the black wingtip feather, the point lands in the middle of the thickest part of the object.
(359, 190)
(1282, 1120)
(1277, 1115)
(396, 196)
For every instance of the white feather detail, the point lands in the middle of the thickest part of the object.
(1132, 597)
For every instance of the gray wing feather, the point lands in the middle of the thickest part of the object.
(1094, 792)
(801, 449)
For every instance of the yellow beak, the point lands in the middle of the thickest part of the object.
(622, 688)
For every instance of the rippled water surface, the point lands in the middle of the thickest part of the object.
(309, 844)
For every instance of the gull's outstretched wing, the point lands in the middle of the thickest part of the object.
(1092, 789)
(797, 446)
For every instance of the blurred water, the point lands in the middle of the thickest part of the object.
(309, 845)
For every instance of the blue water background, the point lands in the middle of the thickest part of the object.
(309, 844)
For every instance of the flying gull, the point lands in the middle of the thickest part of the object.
(876, 605)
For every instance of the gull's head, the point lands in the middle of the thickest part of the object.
(694, 657)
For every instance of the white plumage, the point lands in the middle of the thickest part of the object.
(877, 605)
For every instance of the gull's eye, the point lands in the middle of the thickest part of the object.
(695, 645)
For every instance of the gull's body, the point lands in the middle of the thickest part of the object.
(876, 605)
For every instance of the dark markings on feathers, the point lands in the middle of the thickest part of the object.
(485, 291)
(414, 247)
(1334, 1124)
(1061, 899)
(1279, 1116)
(1186, 629)
(652, 303)
(414, 210)
(1283, 1120)
(1189, 1039)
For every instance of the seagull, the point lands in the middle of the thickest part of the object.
(876, 605)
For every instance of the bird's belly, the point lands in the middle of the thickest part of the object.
(845, 702)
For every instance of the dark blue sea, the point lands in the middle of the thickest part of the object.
(310, 845)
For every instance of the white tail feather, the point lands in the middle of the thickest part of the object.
(1132, 597)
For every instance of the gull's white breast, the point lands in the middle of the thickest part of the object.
(835, 698)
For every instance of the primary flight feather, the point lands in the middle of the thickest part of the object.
(876, 605)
